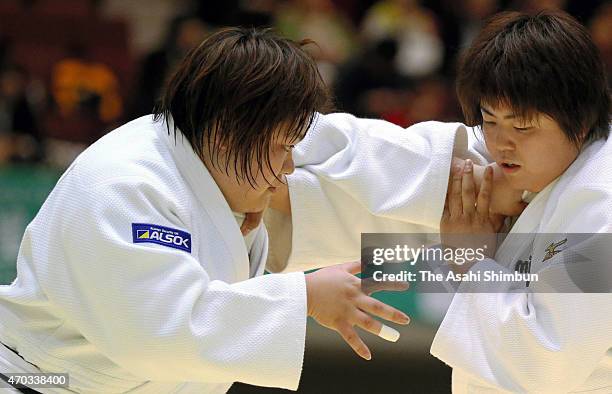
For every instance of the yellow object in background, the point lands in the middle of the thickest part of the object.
(76, 81)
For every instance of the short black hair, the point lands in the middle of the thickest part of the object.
(236, 88)
(544, 62)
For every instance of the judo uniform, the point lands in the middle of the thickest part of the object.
(133, 277)
(357, 175)
(364, 175)
(545, 336)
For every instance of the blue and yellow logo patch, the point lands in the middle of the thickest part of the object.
(166, 236)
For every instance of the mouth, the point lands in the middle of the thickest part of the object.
(272, 189)
(509, 167)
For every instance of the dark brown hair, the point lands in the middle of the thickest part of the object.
(235, 90)
(545, 63)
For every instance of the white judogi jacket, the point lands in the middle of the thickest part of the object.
(134, 276)
(364, 175)
(528, 339)
(359, 175)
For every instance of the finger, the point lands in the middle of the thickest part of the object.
(446, 211)
(251, 221)
(468, 192)
(484, 195)
(353, 267)
(354, 341)
(370, 286)
(375, 327)
(368, 323)
(389, 334)
(380, 309)
(454, 204)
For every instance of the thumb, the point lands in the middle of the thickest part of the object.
(353, 267)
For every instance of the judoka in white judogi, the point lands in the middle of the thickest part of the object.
(132, 277)
(355, 175)
(546, 337)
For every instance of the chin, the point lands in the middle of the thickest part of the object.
(260, 205)
(521, 184)
(528, 186)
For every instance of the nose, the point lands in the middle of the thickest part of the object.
(503, 140)
(288, 164)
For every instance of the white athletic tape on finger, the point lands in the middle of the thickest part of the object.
(389, 334)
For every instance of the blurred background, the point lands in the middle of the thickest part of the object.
(72, 70)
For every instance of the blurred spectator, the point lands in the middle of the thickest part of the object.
(355, 10)
(147, 20)
(459, 21)
(320, 21)
(185, 32)
(86, 100)
(82, 85)
(398, 65)
(473, 14)
(19, 134)
(370, 85)
(420, 48)
(431, 100)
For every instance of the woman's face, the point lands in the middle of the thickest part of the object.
(244, 197)
(531, 153)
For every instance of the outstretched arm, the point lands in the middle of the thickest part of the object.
(356, 176)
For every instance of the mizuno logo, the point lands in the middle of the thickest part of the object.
(552, 250)
(166, 236)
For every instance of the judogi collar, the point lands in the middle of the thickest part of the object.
(208, 194)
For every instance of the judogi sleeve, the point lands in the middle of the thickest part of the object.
(154, 310)
(364, 175)
(552, 337)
